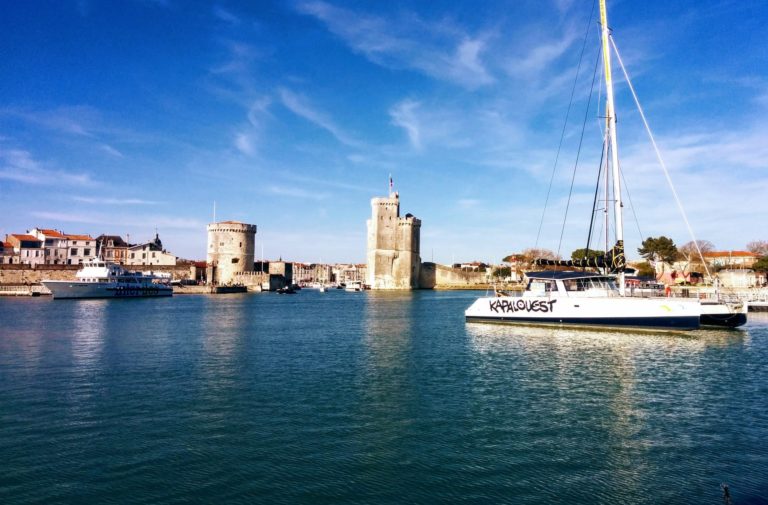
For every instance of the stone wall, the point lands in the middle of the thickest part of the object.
(434, 276)
(25, 274)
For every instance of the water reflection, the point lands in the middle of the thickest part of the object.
(493, 338)
(609, 391)
(89, 328)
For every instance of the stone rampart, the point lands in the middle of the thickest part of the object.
(434, 276)
(24, 274)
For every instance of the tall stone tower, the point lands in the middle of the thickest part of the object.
(393, 246)
(231, 246)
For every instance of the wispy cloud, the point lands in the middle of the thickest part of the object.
(225, 15)
(301, 106)
(72, 120)
(297, 193)
(438, 50)
(111, 151)
(19, 165)
(247, 137)
(113, 201)
(403, 116)
(169, 222)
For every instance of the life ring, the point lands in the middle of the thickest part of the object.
(668, 291)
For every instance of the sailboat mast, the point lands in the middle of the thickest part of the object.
(610, 113)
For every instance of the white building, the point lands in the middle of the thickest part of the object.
(54, 244)
(28, 248)
(80, 249)
(149, 253)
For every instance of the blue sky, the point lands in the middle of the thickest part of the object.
(126, 117)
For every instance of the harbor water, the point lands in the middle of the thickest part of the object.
(374, 398)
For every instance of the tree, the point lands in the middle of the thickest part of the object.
(759, 247)
(531, 254)
(690, 254)
(645, 269)
(580, 254)
(761, 265)
(502, 272)
(658, 249)
(512, 258)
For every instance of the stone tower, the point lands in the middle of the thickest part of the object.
(393, 246)
(231, 246)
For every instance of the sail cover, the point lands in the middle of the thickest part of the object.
(615, 260)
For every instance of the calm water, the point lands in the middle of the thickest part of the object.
(342, 398)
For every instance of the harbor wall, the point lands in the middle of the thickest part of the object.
(24, 274)
(434, 276)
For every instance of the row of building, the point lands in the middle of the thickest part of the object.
(40, 246)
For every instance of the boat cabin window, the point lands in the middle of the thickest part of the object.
(541, 287)
(589, 283)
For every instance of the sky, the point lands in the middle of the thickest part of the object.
(146, 116)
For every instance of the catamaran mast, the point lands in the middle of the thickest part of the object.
(611, 126)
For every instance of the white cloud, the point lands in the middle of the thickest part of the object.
(403, 115)
(437, 50)
(111, 151)
(19, 165)
(245, 143)
(224, 15)
(122, 221)
(300, 106)
(113, 201)
(295, 192)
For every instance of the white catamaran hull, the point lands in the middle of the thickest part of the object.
(69, 289)
(608, 312)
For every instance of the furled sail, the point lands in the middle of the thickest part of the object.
(615, 260)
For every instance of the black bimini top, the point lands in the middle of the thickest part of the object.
(554, 275)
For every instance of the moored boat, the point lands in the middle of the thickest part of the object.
(583, 299)
(101, 279)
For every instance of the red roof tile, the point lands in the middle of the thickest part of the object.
(78, 237)
(730, 254)
(52, 233)
(24, 237)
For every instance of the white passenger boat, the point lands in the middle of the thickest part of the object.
(101, 279)
(354, 286)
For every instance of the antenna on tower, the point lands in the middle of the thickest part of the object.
(391, 185)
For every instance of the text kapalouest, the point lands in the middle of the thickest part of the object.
(506, 306)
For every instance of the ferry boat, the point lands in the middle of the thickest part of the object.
(101, 279)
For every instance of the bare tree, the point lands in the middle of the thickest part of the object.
(690, 254)
(759, 247)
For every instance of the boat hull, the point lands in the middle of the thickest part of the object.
(609, 312)
(68, 289)
(723, 315)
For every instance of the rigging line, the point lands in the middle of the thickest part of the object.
(578, 151)
(658, 156)
(565, 124)
(631, 205)
(594, 200)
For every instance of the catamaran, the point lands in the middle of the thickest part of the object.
(594, 300)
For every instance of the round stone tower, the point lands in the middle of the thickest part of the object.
(231, 246)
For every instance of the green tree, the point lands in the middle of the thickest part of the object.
(582, 253)
(502, 272)
(645, 269)
(661, 249)
(761, 265)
